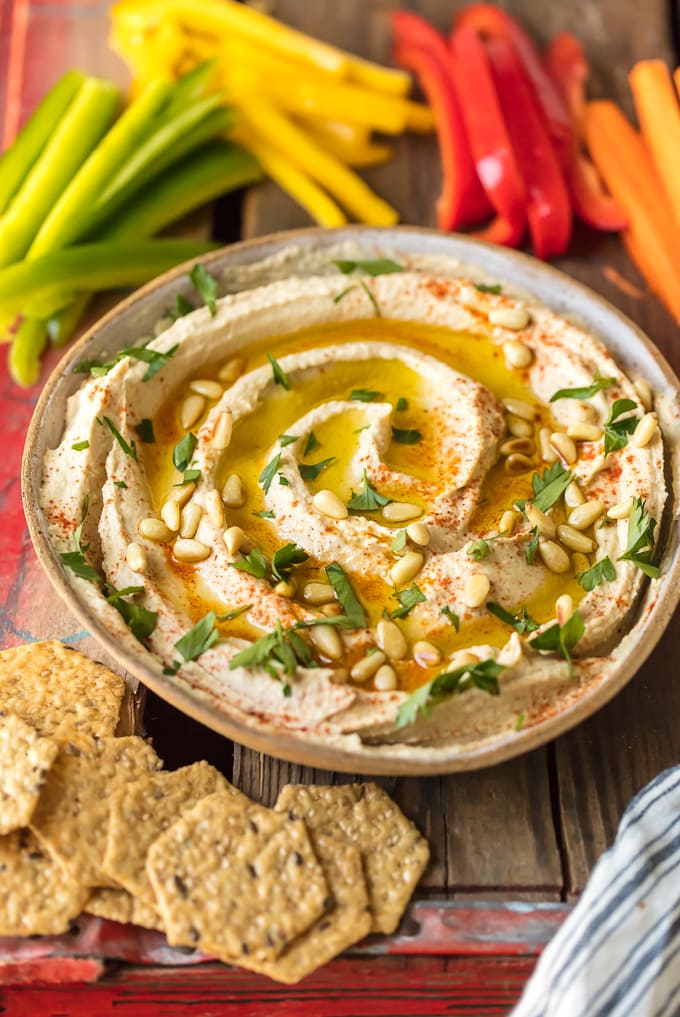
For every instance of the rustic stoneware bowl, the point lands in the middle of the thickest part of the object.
(135, 317)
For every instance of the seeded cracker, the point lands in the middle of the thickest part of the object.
(25, 758)
(236, 882)
(72, 816)
(60, 692)
(142, 810)
(36, 896)
(121, 906)
(394, 853)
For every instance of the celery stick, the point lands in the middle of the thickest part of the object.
(191, 87)
(27, 346)
(91, 267)
(63, 325)
(29, 143)
(81, 127)
(62, 225)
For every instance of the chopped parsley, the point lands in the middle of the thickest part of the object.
(532, 546)
(489, 287)
(269, 472)
(640, 548)
(286, 558)
(368, 500)
(254, 563)
(483, 675)
(189, 477)
(372, 267)
(183, 451)
(408, 436)
(478, 549)
(283, 481)
(234, 613)
(601, 570)
(399, 542)
(77, 563)
(347, 598)
(371, 296)
(268, 514)
(196, 641)
(402, 405)
(342, 294)
(287, 439)
(452, 616)
(120, 483)
(364, 395)
(145, 431)
(282, 646)
(153, 358)
(311, 443)
(182, 307)
(138, 619)
(587, 392)
(129, 450)
(280, 376)
(548, 487)
(408, 600)
(310, 471)
(616, 430)
(78, 446)
(206, 286)
(521, 720)
(521, 622)
(561, 639)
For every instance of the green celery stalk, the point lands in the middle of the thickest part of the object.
(63, 223)
(79, 130)
(62, 325)
(27, 346)
(191, 87)
(32, 138)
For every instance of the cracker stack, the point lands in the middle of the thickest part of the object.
(91, 822)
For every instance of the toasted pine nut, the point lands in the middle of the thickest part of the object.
(584, 412)
(645, 430)
(221, 436)
(580, 562)
(206, 387)
(234, 491)
(517, 463)
(418, 533)
(477, 588)
(426, 654)
(385, 679)
(191, 517)
(517, 355)
(135, 556)
(400, 511)
(232, 370)
(525, 445)
(235, 539)
(585, 515)
(190, 551)
(328, 504)
(564, 446)
(330, 610)
(284, 588)
(506, 523)
(574, 539)
(318, 593)
(514, 318)
(182, 494)
(170, 514)
(564, 608)
(517, 427)
(464, 660)
(538, 519)
(214, 509)
(327, 641)
(518, 408)
(583, 431)
(155, 529)
(406, 568)
(644, 393)
(548, 454)
(391, 639)
(367, 666)
(190, 410)
(573, 495)
(620, 511)
(554, 556)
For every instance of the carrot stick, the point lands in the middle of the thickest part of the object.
(659, 115)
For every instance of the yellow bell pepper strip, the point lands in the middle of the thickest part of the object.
(289, 140)
(63, 224)
(659, 116)
(80, 129)
(292, 180)
(358, 157)
(20, 156)
(28, 344)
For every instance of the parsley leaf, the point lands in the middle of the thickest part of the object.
(369, 500)
(483, 675)
(489, 288)
(183, 451)
(280, 376)
(343, 293)
(283, 481)
(478, 549)
(371, 296)
(561, 638)
(129, 450)
(408, 600)
(286, 558)
(402, 404)
(189, 477)
(616, 431)
(550, 486)
(310, 471)
(206, 286)
(521, 622)
(399, 542)
(287, 439)
(196, 641)
(364, 395)
(78, 446)
(409, 436)
(234, 613)
(640, 548)
(145, 431)
(182, 307)
(347, 598)
(601, 570)
(269, 472)
(452, 616)
(254, 563)
(311, 443)
(372, 267)
(532, 547)
(265, 515)
(587, 392)
(120, 483)
(284, 646)
(138, 619)
(78, 564)
(154, 358)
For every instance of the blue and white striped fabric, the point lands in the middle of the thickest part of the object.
(618, 953)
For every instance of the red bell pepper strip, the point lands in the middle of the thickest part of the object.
(421, 49)
(548, 205)
(489, 139)
(491, 22)
(568, 68)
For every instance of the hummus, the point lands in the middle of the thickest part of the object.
(412, 508)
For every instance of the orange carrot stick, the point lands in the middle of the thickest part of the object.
(659, 115)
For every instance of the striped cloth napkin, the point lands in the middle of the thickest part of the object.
(618, 953)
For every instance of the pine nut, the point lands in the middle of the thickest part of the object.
(525, 445)
(206, 387)
(221, 436)
(327, 641)
(518, 408)
(620, 511)
(190, 518)
(645, 430)
(235, 540)
(232, 370)
(328, 504)
(464, 660)
(367, 666)
(517, 427)
(584, 412)
(190, 551)
(331, 610)
(385, 679)
(318, 593)
(574, 496)
(190, 410)
(514, 318)
(644, 393)
(155, 529)
(564, 446)
(234, 492)
(564, 608)
(170, 515)
(426, 654)
(583, 431)
(539, 520)
(214, 509)
(400, 511)
(575, 540)
(507, 522)
(553, 556)
(470, 297)
(517, 463)
(548, 454)
(585, 515)
(517, 354)
(284, 589)
(580, 562)
(135, 556)
(391, 639)
(406, 568)
(182, 494)
(477, 588)
(418, 533)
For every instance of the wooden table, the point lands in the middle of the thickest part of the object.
(512, 846)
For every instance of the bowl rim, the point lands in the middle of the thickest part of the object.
(288, 745)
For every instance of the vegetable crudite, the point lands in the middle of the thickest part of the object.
(288, 581)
